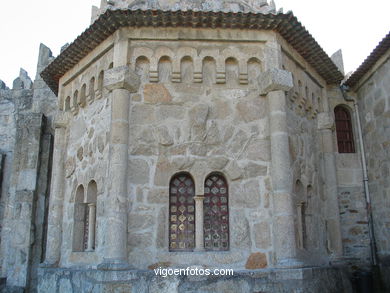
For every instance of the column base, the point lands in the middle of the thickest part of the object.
(199, 250)
(289, 263)
(114, 265)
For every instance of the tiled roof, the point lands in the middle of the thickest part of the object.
(286, 25)
(375, 55)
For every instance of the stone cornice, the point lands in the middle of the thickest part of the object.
(287, 25)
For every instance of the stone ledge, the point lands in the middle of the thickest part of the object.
(275, 80)
(121, 78)
(316, 279)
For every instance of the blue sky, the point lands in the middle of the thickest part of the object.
(354, 26)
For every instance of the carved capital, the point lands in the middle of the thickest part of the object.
(61, 120)
(275, 80)
(121, 77)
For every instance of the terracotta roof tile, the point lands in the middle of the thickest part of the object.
(370, 61)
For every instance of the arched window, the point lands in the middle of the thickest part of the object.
(344, 130)
(216, 213)
(181, 213)
(90, 222)
(79, 220)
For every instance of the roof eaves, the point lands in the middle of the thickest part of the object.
(285, 24)
(369, 62)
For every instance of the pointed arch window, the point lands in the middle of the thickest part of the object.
(181, 213)
(345, 141)
(216, 213)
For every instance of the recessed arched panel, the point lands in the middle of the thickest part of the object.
(75, 99)
(254, 71)
(345, 140)
(232, 72)
(209, 71)
(164, 69)
(67, 103)
(100, 81)
(181, 213)
(83, 95)
(187, 69)
(216, 213)
(142, 67)
(91, 91)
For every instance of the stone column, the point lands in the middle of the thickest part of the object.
(91, 226)
(326, 126)
(199, 238)
(121, 81)
(56, 201)
(273, 83)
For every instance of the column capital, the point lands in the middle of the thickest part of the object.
(199, 197)
(121, 77)
(61, 120)
(275, 80)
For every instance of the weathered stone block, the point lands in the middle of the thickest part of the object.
(138, 171)
(121, 78)
(262, 235)
(256, 261)
(156, 94)
(275, 80)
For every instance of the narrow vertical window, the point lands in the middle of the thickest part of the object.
(181, 213)
(216, 213)
(344, 131)
(90, 219)
(79, 220)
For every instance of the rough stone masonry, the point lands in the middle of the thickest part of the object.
(203, 134)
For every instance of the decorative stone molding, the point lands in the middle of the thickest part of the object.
(121, 78)
(275, 80)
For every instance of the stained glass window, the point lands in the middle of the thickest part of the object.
(216, 213)
(181, 213)
(344, 131)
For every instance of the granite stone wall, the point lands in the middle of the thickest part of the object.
(374, 105)
(25, 146)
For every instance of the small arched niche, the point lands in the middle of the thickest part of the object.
(67, 103)
(209, 71)
(100, 82)
(91, 92)
(232, 72)
(83, 95)
(164, 69)
(254, 70)
(142, 67)
(187, 69)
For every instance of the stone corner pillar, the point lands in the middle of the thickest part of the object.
(326, 127)
(273, 83)
(121, 81)
(56, 201)
(199, 234)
